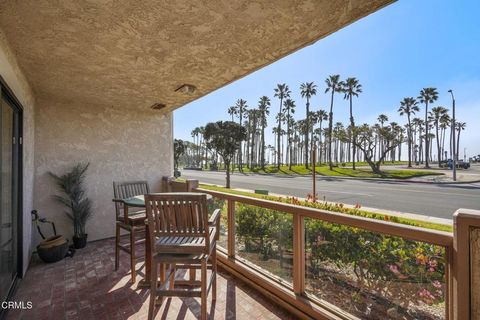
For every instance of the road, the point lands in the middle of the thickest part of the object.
(437, 200)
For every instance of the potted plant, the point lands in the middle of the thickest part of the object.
(79, 207)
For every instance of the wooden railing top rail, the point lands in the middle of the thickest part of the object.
(435, 237)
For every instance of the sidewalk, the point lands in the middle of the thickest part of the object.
(471, 175)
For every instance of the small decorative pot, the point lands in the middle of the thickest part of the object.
(80, 242)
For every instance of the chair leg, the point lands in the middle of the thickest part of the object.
(117, 244)
(193, 274)
(160, 268)
(213, 258)
(173, 270)
(153, 290)
(132, 253)
(203, 303)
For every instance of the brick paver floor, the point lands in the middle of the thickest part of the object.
(87, 287)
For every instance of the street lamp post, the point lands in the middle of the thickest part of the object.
(453, 138)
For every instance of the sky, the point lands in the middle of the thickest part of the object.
(394, 53)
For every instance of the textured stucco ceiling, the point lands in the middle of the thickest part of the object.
(131, 53)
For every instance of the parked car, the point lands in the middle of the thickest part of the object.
(460, 164)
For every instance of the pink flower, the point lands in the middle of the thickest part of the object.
(436, 284)
(394, 268)
(426, 295)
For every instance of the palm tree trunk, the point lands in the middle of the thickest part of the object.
(262, 151)
(240, 160)
(426, 135)
(320, 142)
(330, 129)
(458, 144)
(307, 130)
(409, 133)
(352, 133)
(439, 155)
(279, 128)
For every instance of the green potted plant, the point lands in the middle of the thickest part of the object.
(79, 207)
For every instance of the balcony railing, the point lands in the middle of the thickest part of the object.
(325, 264)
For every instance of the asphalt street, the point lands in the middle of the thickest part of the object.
(437, 200)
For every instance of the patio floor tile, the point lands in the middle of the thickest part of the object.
(87, 287)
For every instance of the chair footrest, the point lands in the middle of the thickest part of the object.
(183, 292)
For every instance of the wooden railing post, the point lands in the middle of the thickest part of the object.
(298, 254)
(466, 264)
(231, 228)
(166, 180)
(192, 184)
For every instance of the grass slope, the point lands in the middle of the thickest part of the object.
(343, 172)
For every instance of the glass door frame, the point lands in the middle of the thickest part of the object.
(17, 183)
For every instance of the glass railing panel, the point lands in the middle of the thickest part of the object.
(264, 238)
(374, 276)
(217, 203)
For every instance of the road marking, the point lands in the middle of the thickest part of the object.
(410, 190)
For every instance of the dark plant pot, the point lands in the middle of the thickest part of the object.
(80, 242)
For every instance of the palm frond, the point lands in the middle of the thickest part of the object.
(71, 186)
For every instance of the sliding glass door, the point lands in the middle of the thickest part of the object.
(9, 197)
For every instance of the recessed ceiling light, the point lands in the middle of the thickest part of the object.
(158, 106)
(186, 89)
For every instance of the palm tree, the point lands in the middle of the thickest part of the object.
(419, 123)
(382, 118)
(321, 116)
(436, 114)
(253, 115)
(203, 151)
(289, 107)
(232, 111)
(281, 92)
(307, 90)
(338, 128)
(396, 129)
(240, 110)
(351, 88)
(408, 106)
(195, 134)
(427, 95)
(445, 121)
(460, 126)
(263, 107)
(333, 85)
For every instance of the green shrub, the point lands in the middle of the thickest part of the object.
(373, 257)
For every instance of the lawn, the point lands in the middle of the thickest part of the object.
(338, 208)
(364, 163)
(343, 172)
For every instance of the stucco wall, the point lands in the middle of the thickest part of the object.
(120, 144)
(16, 81)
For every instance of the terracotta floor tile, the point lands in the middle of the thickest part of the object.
(87, 287)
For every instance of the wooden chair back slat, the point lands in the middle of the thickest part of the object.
(178, 215)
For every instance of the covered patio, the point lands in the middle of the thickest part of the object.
(97, 82)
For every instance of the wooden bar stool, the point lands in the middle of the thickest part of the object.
(182, 237)
(132, 221)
